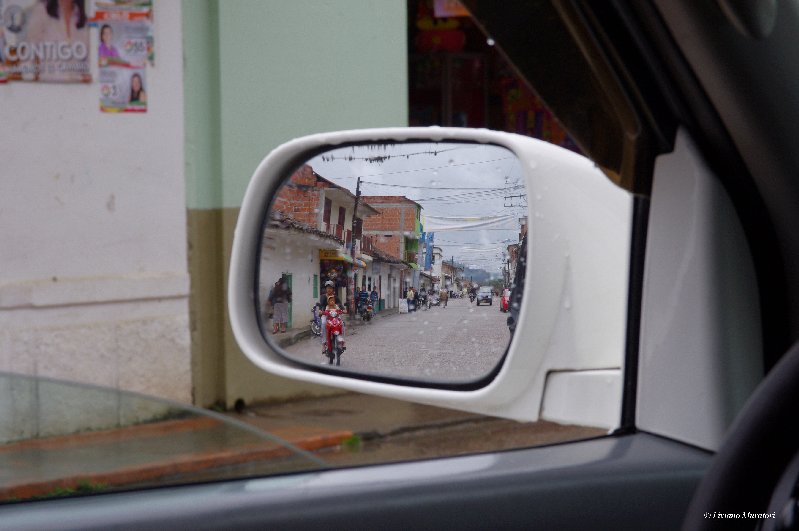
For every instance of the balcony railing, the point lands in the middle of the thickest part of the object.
(367, 244)
(338, 231)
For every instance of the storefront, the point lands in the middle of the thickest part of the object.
(343, 270)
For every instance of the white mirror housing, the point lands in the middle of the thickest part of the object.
(564, 362)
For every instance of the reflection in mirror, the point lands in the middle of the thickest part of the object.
(418, 244)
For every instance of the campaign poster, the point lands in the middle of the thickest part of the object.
(44, 40)
(124, 46)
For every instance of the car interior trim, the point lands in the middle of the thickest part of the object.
(618, 480)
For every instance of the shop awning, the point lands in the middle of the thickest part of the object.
(337, 254)
(334, 254)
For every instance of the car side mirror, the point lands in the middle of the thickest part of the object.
(420, 217)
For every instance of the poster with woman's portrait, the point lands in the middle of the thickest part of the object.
(122, 53)
(123, 89)
(45, 40)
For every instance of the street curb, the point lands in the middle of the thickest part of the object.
(153, 429)
(188, 464)
(294, 338)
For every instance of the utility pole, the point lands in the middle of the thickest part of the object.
(353, 308)
(355, 215)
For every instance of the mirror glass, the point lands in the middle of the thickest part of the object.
(417, 242)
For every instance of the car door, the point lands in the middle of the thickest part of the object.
(694, 348)
(677, 320)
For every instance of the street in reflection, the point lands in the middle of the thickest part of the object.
(456, 343)
(396, 260)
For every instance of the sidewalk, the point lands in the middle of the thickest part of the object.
(199, 447)
(145, 453)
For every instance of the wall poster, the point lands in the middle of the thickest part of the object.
(124, 48)
(44, 40)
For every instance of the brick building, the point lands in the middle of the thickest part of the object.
(396, 228)
(309, 240)
(310, 199)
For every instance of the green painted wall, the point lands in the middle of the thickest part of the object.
(259, 73)
(201, 104)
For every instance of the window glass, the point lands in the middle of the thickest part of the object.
(119, 370)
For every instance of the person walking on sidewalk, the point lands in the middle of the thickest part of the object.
(375, 297)
(280, 299)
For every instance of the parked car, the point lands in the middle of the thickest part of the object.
(485, 294)
(692, 108)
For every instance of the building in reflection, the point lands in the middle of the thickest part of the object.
(315, 235)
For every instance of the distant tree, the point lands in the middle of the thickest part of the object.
(497, 284)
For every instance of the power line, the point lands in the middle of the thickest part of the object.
(499, 194)
(477, 228)
(378, 159)
(429, 187)
(425, 169)
(494, 243)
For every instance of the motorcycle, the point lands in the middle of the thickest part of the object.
(334, 346)
(433, 300)
(471, 297)
(365, 309)
(316, 322)
(423, 301)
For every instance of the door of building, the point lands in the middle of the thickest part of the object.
(287, 279)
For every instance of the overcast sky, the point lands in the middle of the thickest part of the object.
(447, 180)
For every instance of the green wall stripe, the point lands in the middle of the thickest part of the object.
(259, 73)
